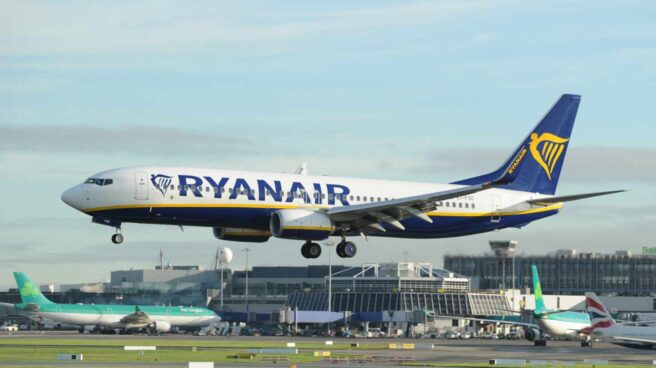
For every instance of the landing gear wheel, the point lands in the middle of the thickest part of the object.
(340, 250)
(117, 238)
(586, 344)
(350, 249)
(304, 250)
(311, 250)
(346, 249)
(314, 250)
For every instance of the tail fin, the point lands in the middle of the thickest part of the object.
(546, 145)
(29, 292)
(540, 308)
(599, 315)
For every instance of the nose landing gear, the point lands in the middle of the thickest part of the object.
(118, 237)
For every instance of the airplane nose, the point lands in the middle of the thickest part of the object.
(72, 197)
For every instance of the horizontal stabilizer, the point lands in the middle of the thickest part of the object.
(570, 198)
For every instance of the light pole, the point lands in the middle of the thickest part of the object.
(247, 250)
(329, 244)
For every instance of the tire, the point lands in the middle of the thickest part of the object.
(304, 250)
(117, 238)
(314, 250)
(340, 250)
(350, 250)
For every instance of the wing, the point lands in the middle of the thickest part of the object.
(370, 215)
(487, 320)
(635, 339)
(392, 211)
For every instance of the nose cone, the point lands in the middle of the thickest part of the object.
(72, 197)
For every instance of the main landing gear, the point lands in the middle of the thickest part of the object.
(118, 237)
(345, 249)
(311, 250)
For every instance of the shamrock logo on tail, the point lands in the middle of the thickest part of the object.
(29, 290)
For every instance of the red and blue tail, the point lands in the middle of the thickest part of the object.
(599, 315)
(536, 163)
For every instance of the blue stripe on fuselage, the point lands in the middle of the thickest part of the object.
(258, 218)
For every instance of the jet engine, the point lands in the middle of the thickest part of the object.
(160, 326)
(241, 234)
(301, 224)
(531, 334)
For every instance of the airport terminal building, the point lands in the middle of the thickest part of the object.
(564, 272)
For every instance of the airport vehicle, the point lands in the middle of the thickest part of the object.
(604, 326)
(124, 317)
(254, 206)
(9, 328)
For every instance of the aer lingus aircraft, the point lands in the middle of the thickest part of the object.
(124, 317)
(555, 323)
(253, 206)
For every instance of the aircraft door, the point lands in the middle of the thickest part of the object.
(496, 208)
(141, 185)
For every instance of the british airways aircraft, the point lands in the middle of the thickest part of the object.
(253, 206)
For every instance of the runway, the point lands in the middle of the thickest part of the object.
(371, 352)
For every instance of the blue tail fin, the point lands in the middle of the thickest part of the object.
(544, 148)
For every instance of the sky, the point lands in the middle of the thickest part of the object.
(409, 90)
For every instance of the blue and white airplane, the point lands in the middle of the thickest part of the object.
(253, 206)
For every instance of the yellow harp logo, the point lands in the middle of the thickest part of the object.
(546, 150)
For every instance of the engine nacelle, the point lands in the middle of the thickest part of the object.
(160, 326)
(301, 224)
(531, 334)
(241, 234)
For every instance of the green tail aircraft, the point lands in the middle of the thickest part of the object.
(125, 317)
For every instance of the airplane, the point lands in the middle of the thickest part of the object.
(555, 323)
(254, 206)
(124, 317)
(605, 327)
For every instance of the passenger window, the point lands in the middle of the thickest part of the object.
(323, 196)
(473, 206)
(179, 187)
(447, 204)
(351, 197)
(378, 199)
(460, 204)
(230, 190)
(172, 186)
(252, 191)
(207, 189)
(222, 189)
(371, 199)
(358, 197)
(331, 197)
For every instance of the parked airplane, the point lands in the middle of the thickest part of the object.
(253, 206)
(125, 317)
(604, 326)
(555, 323)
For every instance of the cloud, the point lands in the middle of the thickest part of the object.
(583, 164)
(147, 27)
(151, 140)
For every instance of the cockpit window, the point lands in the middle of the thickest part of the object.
(99, 181)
